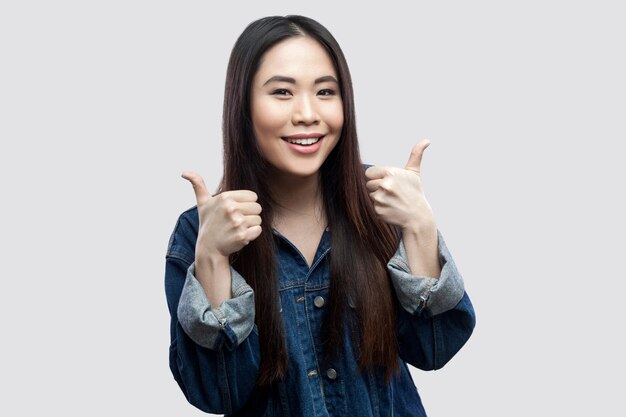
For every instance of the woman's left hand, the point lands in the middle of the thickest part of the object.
(398, 196)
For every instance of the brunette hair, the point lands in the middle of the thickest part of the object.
(361, 243)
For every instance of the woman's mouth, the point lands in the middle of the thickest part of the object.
(304, 146)
(303, 142)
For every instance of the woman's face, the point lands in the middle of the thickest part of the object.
(295, 93)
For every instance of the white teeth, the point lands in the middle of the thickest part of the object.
(307, 141)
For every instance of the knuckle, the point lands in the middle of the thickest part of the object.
(230, 207)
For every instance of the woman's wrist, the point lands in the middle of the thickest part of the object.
(421, 245)
(426, 229)
(213, 274)
(210, 256)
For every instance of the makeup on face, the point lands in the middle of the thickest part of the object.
(296, 106)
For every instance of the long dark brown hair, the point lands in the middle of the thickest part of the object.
(361, 243)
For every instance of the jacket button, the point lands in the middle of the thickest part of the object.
(319, 301)
(331, 373)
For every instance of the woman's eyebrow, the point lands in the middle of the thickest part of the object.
(276, 78)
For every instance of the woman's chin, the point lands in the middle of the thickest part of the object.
(303, 170)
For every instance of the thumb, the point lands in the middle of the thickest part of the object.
(198, 186)
(415, 159)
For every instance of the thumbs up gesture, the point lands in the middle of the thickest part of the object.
(228, 221)
(397, 193)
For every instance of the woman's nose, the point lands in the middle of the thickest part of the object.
(305, 111)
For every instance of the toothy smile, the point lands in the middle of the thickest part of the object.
(303, 141)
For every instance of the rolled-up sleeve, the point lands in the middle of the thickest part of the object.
(215, 327)
(419, 294)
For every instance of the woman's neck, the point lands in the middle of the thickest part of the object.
(298, 197)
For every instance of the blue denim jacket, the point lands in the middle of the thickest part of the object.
(214, 351)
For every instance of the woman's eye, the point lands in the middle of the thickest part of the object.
(280, 92)
(327, 92)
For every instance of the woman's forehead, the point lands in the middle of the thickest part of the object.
(297, 57)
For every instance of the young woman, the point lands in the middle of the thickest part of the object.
(306, 283)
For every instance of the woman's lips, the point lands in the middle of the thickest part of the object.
(305, 149)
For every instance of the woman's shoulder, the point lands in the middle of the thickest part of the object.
(182, 242)
(190, 216)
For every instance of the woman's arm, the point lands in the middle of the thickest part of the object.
(214, 351)
(436, 317)
(421, 245)
(429, 342)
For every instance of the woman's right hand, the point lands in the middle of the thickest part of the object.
(228, 221)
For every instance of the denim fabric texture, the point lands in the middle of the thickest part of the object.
(214, 350)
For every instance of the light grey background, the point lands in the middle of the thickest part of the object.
(104, 104)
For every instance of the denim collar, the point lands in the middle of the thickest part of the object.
(292, 265)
